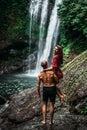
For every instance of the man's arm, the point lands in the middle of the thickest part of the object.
(38, 85)
(48, 69)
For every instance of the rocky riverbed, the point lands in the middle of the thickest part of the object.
(23, 110)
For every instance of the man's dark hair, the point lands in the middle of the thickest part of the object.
(44, 64)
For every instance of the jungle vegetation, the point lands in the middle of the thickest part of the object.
(14, 22)
(73, 24)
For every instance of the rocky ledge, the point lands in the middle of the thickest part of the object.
(23, 110)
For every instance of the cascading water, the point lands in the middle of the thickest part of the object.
(33, 13)
(41, 35)
(45, 48)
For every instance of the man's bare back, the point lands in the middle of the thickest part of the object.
(48, 78)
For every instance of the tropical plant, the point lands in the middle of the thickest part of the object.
(73, 23)
(13, 18)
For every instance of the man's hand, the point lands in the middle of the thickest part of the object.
(38, 89)
(39, 94)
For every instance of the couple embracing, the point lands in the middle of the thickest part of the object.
(50, 78)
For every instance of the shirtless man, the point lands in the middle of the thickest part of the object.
(49, 80)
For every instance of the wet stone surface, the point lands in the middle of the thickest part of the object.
(23, 111)
(62, 120)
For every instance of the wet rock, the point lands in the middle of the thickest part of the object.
(2, 100)
(74, 83)
(24, 109)
(12, 67)
(23, 106)
(79, 98)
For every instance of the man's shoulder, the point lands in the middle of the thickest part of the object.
(40, 74)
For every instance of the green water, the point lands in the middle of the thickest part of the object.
(10, 84)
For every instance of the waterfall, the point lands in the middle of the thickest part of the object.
(45, 45)
(33, 13)
(41, 35)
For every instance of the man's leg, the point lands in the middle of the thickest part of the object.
(44, 109)
(51, 112)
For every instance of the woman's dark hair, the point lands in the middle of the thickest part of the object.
(60, 53)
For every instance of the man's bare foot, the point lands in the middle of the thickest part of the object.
(51, 122)
(43, 122)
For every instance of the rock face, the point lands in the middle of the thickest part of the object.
(25, 107)
(12, 67)
(22, 106)
(75, 82)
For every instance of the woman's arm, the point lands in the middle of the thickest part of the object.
(50, 68)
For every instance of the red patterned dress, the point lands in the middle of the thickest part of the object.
(56, 65)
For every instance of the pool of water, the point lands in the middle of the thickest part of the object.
(12, 83)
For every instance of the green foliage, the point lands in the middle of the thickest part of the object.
(73, 23)
(14, 30)
(19, 54)
(66, 49)
(52, 1)
(13, 18)
(84, 109)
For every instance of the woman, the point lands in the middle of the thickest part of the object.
(57, 61)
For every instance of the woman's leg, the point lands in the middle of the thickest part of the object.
(60, 94)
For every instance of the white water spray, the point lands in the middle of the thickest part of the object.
(51, 39)
(41, 35)
(44, 49)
